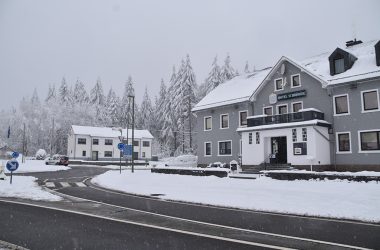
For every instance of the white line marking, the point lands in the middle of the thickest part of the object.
(65, 184)
(50, 184)
(153, 226)
(231, 209)
(217, 225)
(80, 184)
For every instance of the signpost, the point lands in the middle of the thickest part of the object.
(121, 147)
(12, 165)
(127, 152)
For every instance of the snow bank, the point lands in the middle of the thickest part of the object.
(186, 161)
(31, 166)
(361, 173)
(337, 199)
(25, 187)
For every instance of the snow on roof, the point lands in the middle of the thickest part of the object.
(363, 68)
(108, 132)
(282, 125)
(236, 90)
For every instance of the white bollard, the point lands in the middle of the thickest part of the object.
(2, 174)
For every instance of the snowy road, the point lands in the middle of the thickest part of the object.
(263, 228)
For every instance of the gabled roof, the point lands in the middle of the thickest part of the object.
(108, 132)
(236, 90)
(276, 68)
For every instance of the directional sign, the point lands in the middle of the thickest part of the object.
(121, 146)
(127, 151)
(12, 165)
(15, 155)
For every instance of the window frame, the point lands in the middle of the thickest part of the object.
(85, 141)
(250, 138)
(271, 107)
(296, 103)
(279, 105)
(84, 153)
(144, 145)
(360, 141)
(96, 140)
(362, 100)
(337, 142)
(108, 156)
(138, 143)
(275, 85)
(219, 147)
(240, 125)
(107, 140)
(204, 123)
(205, 149)
(221, 121)
(291, 80)
(336, 59)
(348, 105)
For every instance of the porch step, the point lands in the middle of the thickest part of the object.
(279, 167)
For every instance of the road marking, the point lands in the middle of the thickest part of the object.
(153, 226)
(50, 184)
(65, 184)
(217, 225)
(80, 184)
(229, 209)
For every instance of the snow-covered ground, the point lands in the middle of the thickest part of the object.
(31, 166)
(361, 173)
(25, 187)
(333, 198)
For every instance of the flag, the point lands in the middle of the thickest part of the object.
(9, 131)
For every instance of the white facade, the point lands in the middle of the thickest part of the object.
(95, 143)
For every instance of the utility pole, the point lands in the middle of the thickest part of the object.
(52, 139)
(175, 142)
(133, 132)
(23, 146)
(126, 158)
(191, 137)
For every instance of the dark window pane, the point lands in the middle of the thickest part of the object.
(370, 100)
(278, 84)
(370, 140)
(268, 111)
(135, 143)
(225, 148)
(108, 141)
(243, 118)
(297, 106)
(282, 109)
(344, 142)
(81, 141)
(208, 148)
(341, 105)
(146, 144)
(339, 65)
(296, 81)
(224, 121)
(208, 123)
(95, 141)
(107, 153)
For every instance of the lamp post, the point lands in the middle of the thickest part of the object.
(121, 140)
(133, 131)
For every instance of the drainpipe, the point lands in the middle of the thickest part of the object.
(75, 144)
(333, 126)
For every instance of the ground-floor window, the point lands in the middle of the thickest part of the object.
(225, 148)
(143, 154)
(107, 153)
(369, 140)
(84, 153)
(343, 142)
(249, 138)
(207, 148)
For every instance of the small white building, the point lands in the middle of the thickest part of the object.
(100, 143)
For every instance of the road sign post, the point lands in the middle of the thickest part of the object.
(121, 147)
(12, 165)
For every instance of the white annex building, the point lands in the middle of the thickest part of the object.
(100, 143)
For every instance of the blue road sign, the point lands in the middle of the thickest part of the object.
(127, 151)
(121, 146)
(12, 165)
(15, 155)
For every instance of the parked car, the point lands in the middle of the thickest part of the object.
(57, 160)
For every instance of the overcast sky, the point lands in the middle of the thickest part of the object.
(42, 41)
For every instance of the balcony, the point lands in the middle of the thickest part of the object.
(303, 115)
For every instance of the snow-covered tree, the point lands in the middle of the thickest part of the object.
(80, 95)
(112, 107)
(246, 68)
(227, 71)
(51, 96)
(126, 103)
(146, 112)
(212, 81)
(97, 99)
(64, 93)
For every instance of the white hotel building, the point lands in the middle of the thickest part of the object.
(100, 143)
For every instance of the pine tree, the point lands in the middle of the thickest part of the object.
(80, 95)
(64, 93)
(51, 96)
(126, 103)
(97, 99)
(227, 72)
(112, 107)
(146, 112)
(246, 68)
(159, 112)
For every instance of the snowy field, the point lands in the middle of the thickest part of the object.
(25, 187)
(31, 166)
(336, 199)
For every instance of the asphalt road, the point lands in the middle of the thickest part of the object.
(343, 232)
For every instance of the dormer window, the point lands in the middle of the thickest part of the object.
(340, 61)
(339, 65)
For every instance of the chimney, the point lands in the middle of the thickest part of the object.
(353, 42)
(377, 52)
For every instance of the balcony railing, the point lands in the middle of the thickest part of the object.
(285, 118)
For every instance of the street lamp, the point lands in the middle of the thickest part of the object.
(121, 140)
(133, 130)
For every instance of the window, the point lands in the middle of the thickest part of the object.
(249, 138)
(107, 153)
(369, 141)
(108, 142)
(296, 81)
(243, 118)
(341, 106)
(339, 65)
(81, 140)
(143, 154)
(296, 106)
(257, 137)
(146, 143)
(370, 100)
(343, 142)
(84, 153)
(225, 148)
(278, 84)
(208, 123)
(207, 148)
(224, 121)
(282, 109)
(294, 134)
(304, 134)
(268, 111)
(95, 141)
(136, 143)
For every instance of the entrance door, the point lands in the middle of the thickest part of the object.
(94, 155)
(279, 150)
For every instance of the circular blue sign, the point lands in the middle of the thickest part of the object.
(12, 165)
(121, 146)
(15, 154)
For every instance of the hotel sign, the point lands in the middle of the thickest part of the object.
(291, 95)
